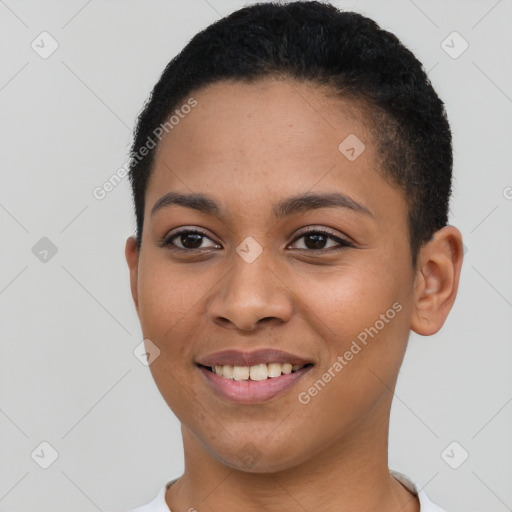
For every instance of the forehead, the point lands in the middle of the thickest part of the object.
(280, 118)
(268, 139)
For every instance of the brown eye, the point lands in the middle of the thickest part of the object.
(316, 239)
(189, 239)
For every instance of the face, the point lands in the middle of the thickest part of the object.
(315, 280)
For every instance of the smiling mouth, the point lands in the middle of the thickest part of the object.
(257, 372)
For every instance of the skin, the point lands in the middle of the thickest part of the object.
(249, 146)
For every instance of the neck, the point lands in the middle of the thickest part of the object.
(349, 474)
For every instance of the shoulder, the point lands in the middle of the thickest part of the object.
(426, 505)
(158, 503)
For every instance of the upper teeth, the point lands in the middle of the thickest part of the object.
(256, 372)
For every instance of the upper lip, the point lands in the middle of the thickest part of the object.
(235, 357)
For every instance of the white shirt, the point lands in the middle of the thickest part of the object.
(159, 504)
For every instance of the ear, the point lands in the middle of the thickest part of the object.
(132, 258)
(437, 280)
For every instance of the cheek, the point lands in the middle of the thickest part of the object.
(166, 296)
(362, 321)
(344, 301)
(167, 307)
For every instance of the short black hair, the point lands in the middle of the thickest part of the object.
(318, 43)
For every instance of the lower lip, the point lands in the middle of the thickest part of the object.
(252, 391)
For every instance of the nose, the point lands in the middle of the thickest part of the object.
(249, 295)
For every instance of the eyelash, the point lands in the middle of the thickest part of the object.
(167, 242)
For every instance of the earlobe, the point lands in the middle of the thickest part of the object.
(437, 280)
(132, 258)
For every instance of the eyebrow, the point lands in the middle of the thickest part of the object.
(287, 207)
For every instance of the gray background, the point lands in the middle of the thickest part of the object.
(68, 375)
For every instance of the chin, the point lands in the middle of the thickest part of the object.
(258, 456)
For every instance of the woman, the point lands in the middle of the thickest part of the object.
(291, 175)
